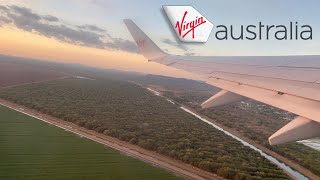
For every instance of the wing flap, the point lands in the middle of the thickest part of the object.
(221, 98)
(304, 107)
(297, 88)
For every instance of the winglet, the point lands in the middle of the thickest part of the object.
(298, 129)
(146, 46)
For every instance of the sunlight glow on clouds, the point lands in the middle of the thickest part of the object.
(51, 27)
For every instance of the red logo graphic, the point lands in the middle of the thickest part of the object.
(184, 28)
(141, 43)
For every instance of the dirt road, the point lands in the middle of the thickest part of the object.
(175, 166)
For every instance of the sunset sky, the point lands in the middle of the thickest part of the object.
(92, 32)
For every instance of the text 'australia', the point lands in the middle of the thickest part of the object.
(291, 31)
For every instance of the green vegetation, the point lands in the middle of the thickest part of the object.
(254, 120)
(32, 149)
(131, 113)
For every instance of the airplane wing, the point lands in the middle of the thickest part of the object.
(291, 83)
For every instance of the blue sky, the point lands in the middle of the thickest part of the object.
(150, 17)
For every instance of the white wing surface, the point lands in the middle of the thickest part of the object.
(291, 83)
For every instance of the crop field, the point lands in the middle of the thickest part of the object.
(14, 74)
(32, 149)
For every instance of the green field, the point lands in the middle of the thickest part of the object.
(32, 149)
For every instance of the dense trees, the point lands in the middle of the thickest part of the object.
(131, 113)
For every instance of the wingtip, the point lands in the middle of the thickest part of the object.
(127, 20)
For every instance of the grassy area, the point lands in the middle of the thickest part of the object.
(32, 149)
(133, 114)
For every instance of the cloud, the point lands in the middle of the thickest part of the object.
(190, 54)
(50, 18)
(125, 45)
(92, 28)
(188, 51)
(4, 20)
(24, 12)
(176, 44)
(52, 27)
(3, 8)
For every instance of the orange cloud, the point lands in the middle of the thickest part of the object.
(26, 44)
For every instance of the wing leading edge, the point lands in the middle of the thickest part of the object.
(291, 83)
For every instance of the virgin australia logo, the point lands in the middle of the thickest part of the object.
(191, 26)
(188, 23)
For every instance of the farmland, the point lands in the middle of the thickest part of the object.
(32, 149)
(132, 114)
